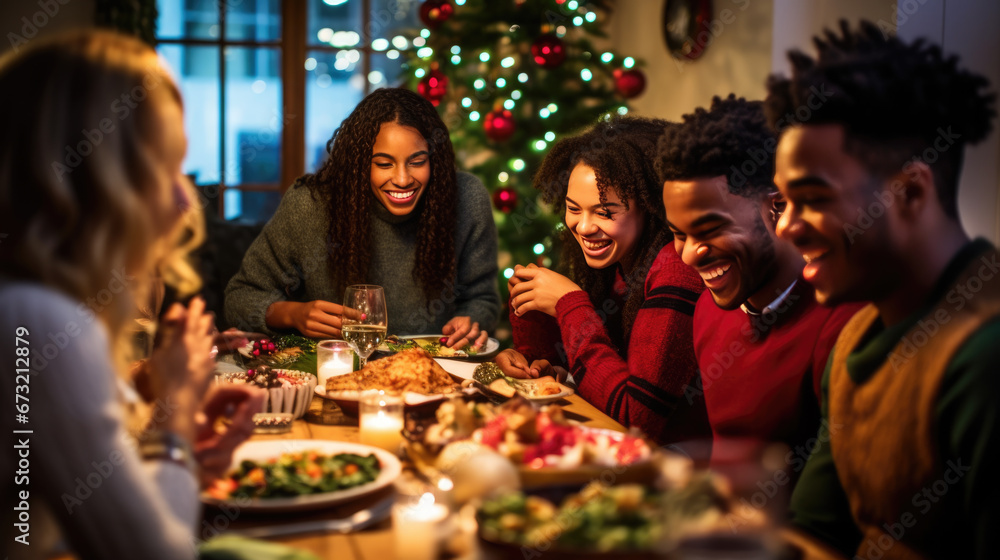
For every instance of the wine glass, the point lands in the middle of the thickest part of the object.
(364, 320)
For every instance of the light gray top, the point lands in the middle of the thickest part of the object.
(87, 482)
(290, 261)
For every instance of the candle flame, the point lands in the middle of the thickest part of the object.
(445, 484)
(426, 500)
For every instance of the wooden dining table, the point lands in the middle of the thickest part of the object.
(376, 542)
(323, 422)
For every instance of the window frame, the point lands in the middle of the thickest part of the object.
(292, 46)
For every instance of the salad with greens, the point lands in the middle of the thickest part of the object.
(434, 347)
(296, 474)
(598, 517)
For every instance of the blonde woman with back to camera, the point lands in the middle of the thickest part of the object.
(94, 205)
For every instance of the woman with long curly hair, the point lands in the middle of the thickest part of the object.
(621, 320)
(96, 206)
(389, 208)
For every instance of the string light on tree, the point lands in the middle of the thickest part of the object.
(519, 80)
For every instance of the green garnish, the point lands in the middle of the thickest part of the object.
(307, 345)
(488, 372)
(300, 474)
(303, 361)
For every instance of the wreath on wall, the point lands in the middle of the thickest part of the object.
(132, 17)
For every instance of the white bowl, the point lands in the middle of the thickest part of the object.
(292, 399)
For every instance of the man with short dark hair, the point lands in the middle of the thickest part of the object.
(760, 338)
(870, 182)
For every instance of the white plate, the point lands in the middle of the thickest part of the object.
(492, 347)
(566, 391)
(225, 367)
(409, 398)
(458, 368)
(264, 450)
(546, 399)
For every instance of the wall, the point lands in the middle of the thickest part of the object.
(963, 27)
(737, 60)
(797, 21)
(756, 44)
(44, 17)
(967, 28)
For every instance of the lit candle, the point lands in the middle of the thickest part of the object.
(334, 367)
(417, 528)
(333, 357)
(380, 421)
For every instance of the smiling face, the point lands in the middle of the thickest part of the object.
(401, 167)
(607, 233)
(835, 217)
(723, 236)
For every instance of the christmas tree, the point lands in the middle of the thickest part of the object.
(510, 77)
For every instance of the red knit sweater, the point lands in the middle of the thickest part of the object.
(761, 376)
(643, 385)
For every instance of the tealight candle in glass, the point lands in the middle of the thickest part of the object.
(417, 525)
(333, 358)
(380, 420)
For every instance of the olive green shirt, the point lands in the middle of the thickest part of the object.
(968, 433)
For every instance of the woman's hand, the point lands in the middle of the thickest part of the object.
(462, 331)
(181, 365)
(231, 340)
(514, 364)
(538, 289)
(514, 280)
(315, 319)
(214, 449)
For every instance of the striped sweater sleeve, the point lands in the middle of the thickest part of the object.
(536, 336)
(645, 389)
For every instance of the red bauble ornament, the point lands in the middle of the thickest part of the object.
(548, 51)
(499, 125)
(505, 199)
(435, 12)
(433, 86)
(629, 83)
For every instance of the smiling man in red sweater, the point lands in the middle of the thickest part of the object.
(760, 338)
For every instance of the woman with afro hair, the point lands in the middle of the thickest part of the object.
(620, 320)
(389, 208)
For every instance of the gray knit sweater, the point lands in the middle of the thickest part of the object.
(289, 261)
